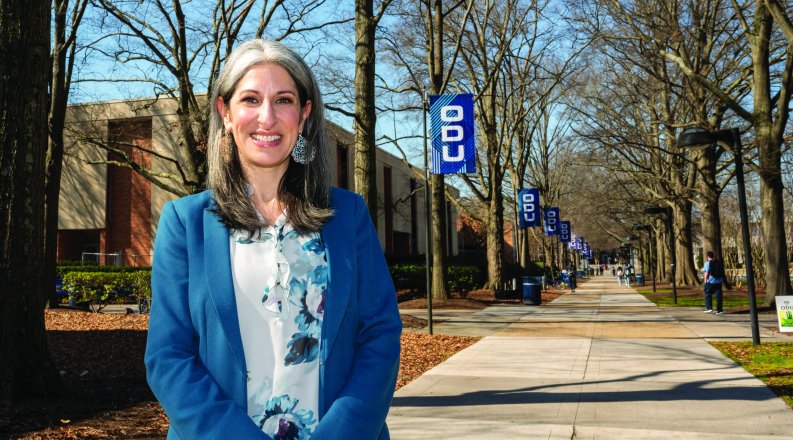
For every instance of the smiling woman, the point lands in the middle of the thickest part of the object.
(273, 311)
(263, 119)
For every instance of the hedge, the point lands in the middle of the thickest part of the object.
(413, 277)
(98, 289)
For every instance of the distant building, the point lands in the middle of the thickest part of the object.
(109, 213)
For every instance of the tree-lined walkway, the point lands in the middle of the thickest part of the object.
(603, 362)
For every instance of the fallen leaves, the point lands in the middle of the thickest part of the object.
(100, 357)
(421, 352)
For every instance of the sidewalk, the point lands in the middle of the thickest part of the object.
(602, 363)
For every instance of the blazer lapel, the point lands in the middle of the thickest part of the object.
(340, 253)
(217, 262)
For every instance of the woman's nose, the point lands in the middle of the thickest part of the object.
(266, 116)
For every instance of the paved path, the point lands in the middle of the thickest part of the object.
(603, 363)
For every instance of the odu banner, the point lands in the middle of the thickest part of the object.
(452, 127)
(529, 208)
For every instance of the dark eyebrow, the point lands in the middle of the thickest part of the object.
(280, 92)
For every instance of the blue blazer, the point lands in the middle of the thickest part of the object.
(195, 363)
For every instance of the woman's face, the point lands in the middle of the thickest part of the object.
(265, 118)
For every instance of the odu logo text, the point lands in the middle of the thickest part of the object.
(452, 133)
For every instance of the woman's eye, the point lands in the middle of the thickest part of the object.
(249, 99)
(284, 100)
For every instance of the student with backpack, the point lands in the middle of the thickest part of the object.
(713, 272)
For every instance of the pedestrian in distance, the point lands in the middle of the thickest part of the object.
(713, 273)
(274, 315)
(620, 274)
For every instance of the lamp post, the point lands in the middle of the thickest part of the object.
(700, 138)
(667, 210)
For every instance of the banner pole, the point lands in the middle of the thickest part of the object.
(428, 250)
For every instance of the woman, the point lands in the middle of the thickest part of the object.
(274, 315)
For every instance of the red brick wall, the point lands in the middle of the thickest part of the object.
(129, 195)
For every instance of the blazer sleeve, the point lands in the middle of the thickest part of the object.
(361, 408)
(192, 399)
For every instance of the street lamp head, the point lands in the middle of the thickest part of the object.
(696, 138)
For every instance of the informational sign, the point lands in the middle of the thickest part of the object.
(453, 137)
(784, 311)
(564, 231)
(529, 208)
(551, 221)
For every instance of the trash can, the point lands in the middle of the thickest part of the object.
(639, 279)
(565, 277)
(532, 291)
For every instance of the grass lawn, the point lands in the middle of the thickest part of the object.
(693, 298)
(771, 362)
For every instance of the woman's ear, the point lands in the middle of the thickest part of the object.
(304, 112)
(223, 111)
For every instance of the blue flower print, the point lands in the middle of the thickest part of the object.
(283, 422)
(304, 344)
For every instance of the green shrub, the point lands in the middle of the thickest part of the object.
(98, 289)
(464, 278)
(408, 276)
(413, 277)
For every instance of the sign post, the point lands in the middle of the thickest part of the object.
(453, 151)
(784, 311)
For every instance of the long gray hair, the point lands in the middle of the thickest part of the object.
(304, 189)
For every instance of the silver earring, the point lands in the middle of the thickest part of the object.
(301, 153)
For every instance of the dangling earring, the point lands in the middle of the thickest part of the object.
(301, 153)
(225, 146)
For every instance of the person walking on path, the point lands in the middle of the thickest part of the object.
(713, 272)
(619, 275)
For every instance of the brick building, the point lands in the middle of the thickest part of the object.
(109, 213)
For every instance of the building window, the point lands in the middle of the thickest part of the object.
(342, 167)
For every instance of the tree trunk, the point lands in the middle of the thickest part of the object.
(25, 365)
(709, 207)
(439, 289)
(495, 240)
(685, 272)
(365, 149)
(777, 272)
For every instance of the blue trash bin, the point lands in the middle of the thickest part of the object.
(639, 279)
(532, 292)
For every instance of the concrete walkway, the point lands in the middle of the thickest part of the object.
(602, 363)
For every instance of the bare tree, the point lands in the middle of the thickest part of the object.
(178, 52)
(26, 368)
(365, 113)
(768, 33)
(64, 47)
(419, 59)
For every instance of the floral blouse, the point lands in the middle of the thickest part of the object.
(280, 279)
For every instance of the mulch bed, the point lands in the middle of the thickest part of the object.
(100, 358)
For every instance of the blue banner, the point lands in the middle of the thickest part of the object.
(579, 244)
(564, 231)
(551, 221)
(529, 208)
(452, 134)
(573, 241)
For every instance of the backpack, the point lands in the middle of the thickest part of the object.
(715, 269)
